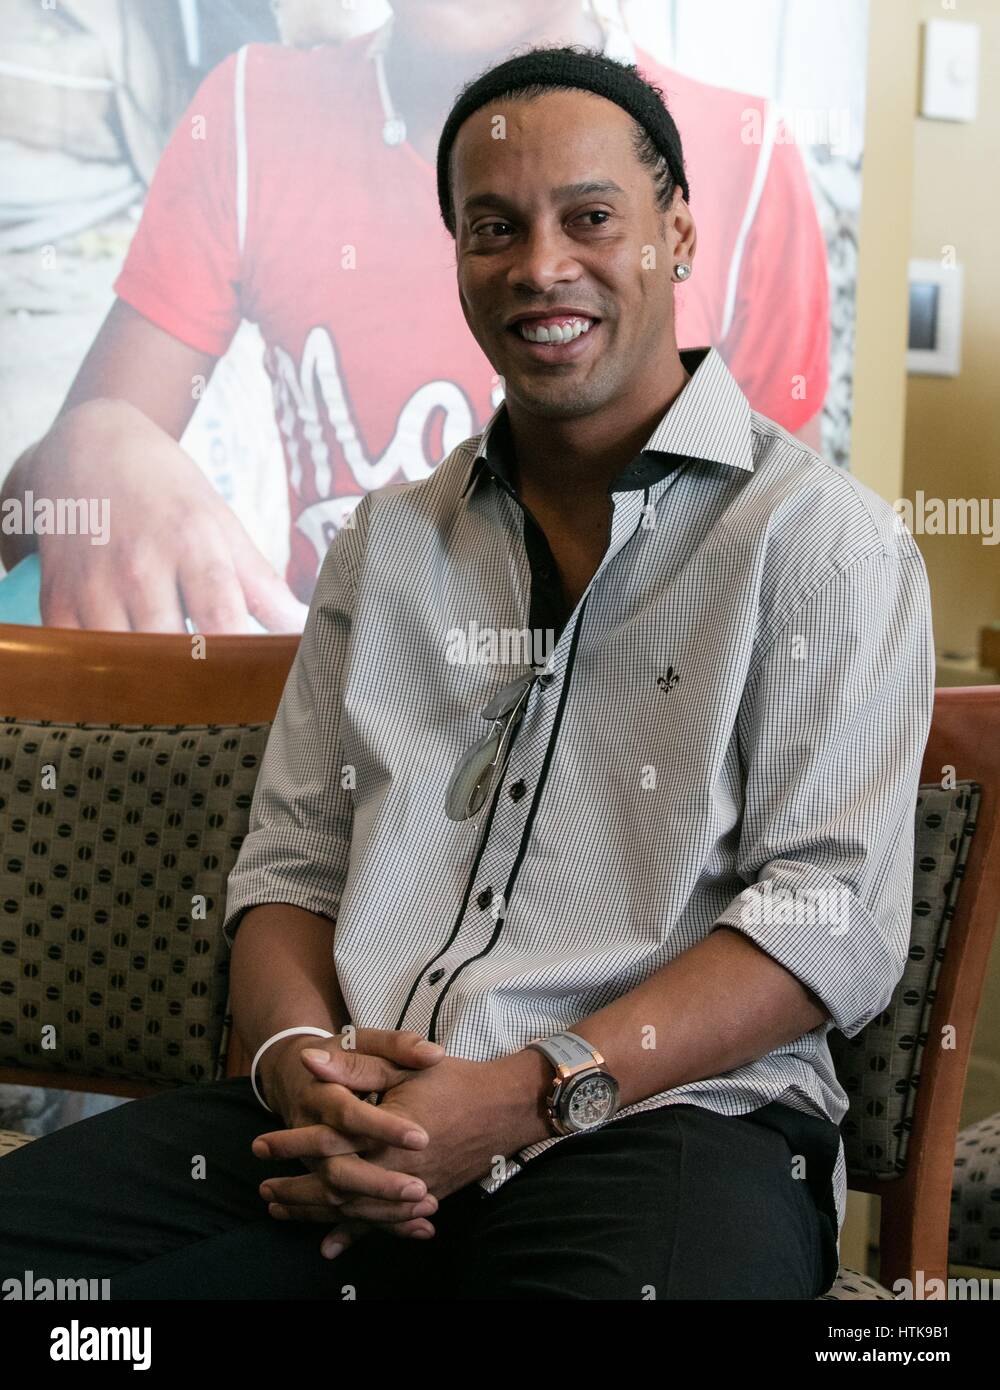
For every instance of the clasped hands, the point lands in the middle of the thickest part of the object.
(382, 1166)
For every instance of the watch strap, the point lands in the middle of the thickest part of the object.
(567, 1050)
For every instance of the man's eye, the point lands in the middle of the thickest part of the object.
(488, 229)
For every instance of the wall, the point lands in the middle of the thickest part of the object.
(925, 187)
(952, 446)
(880, 363)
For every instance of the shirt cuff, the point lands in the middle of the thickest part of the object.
(261, 892)
(820, 931)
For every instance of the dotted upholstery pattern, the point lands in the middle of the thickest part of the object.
(115, 845)
(850, 1286)
(11, 1139)
(880, 1068)
(974, 1228)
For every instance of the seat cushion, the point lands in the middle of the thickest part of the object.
(117, 841)
(851, 1285)
(11, 1139)
(974, 1227)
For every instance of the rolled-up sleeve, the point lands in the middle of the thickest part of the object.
(832, 729)
(297, 846)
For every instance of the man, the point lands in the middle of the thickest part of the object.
(298, 192)
(632, 912)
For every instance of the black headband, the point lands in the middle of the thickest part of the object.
(567, 67)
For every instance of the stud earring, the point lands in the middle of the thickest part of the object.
(682, 270)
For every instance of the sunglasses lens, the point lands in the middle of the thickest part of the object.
(479, 793)
(470, 782)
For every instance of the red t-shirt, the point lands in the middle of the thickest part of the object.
(277, 200)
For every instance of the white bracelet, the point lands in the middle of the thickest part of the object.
(285, 1033)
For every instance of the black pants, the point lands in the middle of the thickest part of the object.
(676, 1203)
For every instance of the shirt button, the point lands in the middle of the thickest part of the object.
(485, 897)
(434, 976)
(546, 678)
(517, 789)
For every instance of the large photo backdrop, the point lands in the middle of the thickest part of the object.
(255, 188)
(244, 196)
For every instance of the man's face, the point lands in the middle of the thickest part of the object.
(307, 22)
(529, 240)
(473, 26)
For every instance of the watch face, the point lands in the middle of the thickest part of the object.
(591, 1101)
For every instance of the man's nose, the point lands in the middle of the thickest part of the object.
(543, 256)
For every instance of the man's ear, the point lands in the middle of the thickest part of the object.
(687, 232)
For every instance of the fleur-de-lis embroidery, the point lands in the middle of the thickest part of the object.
(668, 681)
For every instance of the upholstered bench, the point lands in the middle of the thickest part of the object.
(117, 843)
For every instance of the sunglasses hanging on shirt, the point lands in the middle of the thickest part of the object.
(477, 770)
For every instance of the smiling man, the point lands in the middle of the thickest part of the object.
(537, 963)
(567, 289)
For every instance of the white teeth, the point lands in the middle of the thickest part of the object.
(558, 333)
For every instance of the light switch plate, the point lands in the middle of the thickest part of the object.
(950, 70)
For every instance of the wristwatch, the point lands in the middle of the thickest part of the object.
(583, 1095)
